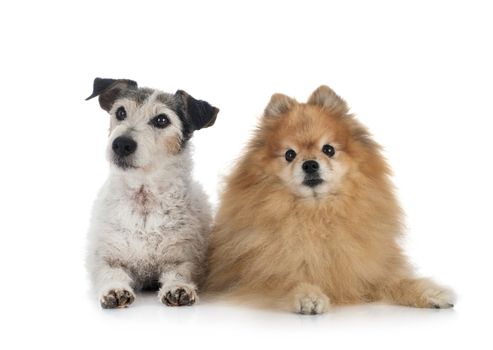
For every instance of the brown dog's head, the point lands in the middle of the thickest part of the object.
(311, 147)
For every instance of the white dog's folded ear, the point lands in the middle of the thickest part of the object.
(199, 113)
(325, 97)
(278, 105)
(109, 90)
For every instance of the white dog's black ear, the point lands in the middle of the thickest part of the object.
(109, 90)
(325, 97)
(279, 104)
(198, 114)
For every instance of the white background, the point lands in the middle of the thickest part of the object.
(419, 74)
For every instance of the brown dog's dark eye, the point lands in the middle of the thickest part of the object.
(121, 113)
(329, 150)
(161, 121)
(290, 155)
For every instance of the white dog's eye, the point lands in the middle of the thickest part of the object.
(329, 150)
(121, 113)
(161, 121)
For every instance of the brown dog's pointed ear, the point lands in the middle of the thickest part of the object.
(108, 90)
(325, 97)
(278, 105)
(200, 114)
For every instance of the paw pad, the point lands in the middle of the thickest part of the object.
(116, 298)
(179, 297)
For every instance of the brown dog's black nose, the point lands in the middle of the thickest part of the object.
(124, 146)
(310, 166)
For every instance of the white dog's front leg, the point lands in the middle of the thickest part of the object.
(177, 287)
(114, 287)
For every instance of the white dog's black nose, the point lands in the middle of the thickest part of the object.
(124, 146)
(310, 166)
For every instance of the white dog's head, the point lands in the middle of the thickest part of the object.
(148, 126)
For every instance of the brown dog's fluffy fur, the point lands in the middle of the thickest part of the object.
(304, 248)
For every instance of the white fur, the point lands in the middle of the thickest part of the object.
(150, 223)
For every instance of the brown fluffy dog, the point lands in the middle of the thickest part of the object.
(309, 218)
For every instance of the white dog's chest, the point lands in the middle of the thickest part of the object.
(143, 224)
(146, 211)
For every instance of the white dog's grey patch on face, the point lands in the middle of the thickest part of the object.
(152, 124)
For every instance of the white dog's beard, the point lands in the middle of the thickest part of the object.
(123, 163)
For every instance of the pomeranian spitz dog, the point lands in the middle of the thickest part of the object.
(309, 218)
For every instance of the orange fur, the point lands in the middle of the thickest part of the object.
(173, 144)
(303, 252)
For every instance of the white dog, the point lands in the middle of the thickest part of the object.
(151, 221)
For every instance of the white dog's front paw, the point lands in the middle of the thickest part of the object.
(179, 295)
(116, 298)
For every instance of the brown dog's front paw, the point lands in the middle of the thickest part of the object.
(309, 299)
(116, 298)
(178, 296)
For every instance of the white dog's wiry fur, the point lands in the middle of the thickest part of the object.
(151, 220)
